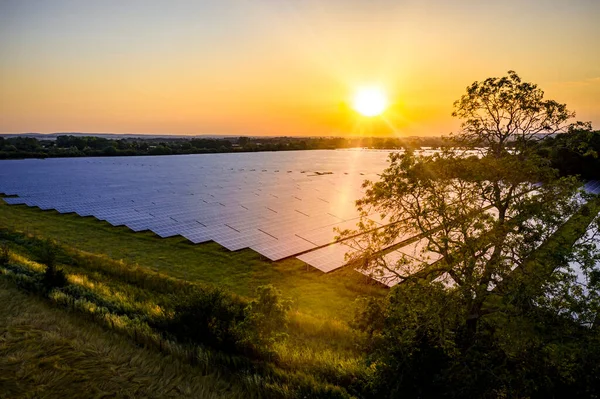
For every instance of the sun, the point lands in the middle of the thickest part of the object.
(370, 101)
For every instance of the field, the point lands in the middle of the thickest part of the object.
(105, 332)
(123, 279)
(313, 292)
(46, 352)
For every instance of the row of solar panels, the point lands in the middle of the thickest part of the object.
(222, 198)
(592, 187)
(218, 198)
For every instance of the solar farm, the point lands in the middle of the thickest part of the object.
(279, 204)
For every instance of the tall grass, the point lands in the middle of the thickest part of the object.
(46, 352)
(315, 293)
(144, 305)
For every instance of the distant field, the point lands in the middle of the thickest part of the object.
(242, 271)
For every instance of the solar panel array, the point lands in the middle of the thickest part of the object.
(279, 204)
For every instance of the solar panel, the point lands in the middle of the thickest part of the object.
(203, 197)
(328, 258)
(592, 187)
(280, 204)
(238, 200)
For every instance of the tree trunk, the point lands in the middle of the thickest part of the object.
(471, 325)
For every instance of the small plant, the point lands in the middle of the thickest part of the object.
(209, 317)
(369, 316)
(4, 253)
(53, 276)
(266, 319)
(47, 253)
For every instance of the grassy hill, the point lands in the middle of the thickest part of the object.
(48, 353)
(131, 284)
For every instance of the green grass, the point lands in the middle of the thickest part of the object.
(123, 280)
(47, 353)
(137, 302)
(329, 295)
(120, 282)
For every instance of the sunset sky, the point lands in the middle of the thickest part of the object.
(281, 67)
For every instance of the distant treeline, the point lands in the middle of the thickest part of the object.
(574, 153)
(79, 146)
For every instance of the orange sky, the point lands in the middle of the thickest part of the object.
(281, 67)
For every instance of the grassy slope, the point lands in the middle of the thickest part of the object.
(314, 293)
(320, 344)
(46, 352)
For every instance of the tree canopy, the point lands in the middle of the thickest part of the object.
(497, 112)
(496, 228)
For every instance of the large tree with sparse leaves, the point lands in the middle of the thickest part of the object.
(482, 208)
(501, 297)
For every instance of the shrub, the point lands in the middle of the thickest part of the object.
(209, 316)
(47, 253)
(4, 253)
(266, 320)
(53, 276)
(369, 315)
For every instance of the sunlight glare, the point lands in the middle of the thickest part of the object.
(370, 101)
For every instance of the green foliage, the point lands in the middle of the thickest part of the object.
(369, 315)
(415, 335)
(574, 153)
(208, 317)
(77, 146)
(48, 352)
(213, 317)
(4, 253)
(48, 252)
(146, 306)
(54, 277)
(265, 319)
(418, 350)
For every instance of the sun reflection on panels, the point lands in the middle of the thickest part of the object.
(279, 204)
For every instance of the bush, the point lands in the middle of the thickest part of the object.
(48, 253)
(266, 320)
(213, 317)
(53, 276)
(208, 317)
(4, 253)
(411, 340)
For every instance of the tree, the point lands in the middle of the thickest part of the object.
(53, 277)
(266, 319)
(488, 304)
(501, 111)
(477, 216)
(574, 153)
